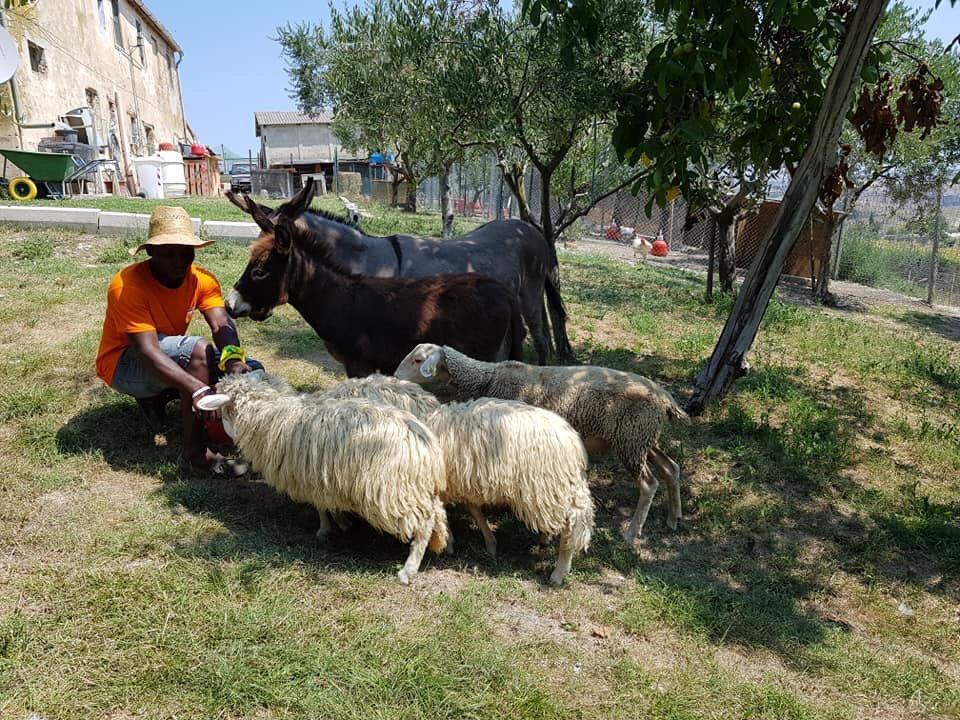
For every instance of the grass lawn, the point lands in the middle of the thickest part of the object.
(816, 573)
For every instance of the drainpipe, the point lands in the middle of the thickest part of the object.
(183, 115)
(15, 97)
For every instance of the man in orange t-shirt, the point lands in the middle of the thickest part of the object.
(144, 351)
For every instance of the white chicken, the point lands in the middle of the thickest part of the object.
(641, 246)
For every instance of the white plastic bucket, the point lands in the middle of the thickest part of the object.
(149, 176)
(172, 173)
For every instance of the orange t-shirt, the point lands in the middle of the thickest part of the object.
(137, 303)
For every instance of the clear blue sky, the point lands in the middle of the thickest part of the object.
(232, 67)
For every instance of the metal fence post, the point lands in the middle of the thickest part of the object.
(935, 251)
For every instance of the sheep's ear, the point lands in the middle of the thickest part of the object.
(430, 364)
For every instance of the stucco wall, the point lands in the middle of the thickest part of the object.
(80, 52)
(301, 142)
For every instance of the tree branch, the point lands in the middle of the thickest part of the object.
(563, 224)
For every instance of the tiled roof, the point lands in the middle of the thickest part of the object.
(289, 118)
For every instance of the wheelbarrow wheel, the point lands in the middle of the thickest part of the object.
(22, 188)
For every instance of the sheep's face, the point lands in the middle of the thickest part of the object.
(425, 363)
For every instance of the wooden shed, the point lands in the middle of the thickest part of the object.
(804, 258)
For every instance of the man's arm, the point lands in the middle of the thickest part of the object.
(147, 346)
(224, 333)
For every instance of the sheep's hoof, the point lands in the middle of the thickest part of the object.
(404, 576)
(343, 520)
(672, 523)
(556, 579)
(630, 536)
(492, 551)
(323, 536)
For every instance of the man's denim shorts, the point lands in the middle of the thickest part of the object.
(132, 378)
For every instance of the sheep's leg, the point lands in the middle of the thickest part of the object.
(417, 548)
(488, 539)
(670, 473)
(342, 520)
(326, 527)
(648, 488)
(565, 560)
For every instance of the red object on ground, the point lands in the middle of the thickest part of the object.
(659, 248)
(613, 233)
(216, 434)
(198, 150)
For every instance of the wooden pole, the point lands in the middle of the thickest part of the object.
(728, 360)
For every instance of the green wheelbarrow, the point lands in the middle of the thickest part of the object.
(47, 174)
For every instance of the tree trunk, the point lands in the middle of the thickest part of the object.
(726, 257)
(546, 217)
(727, 362)
(394, 189)
(711, 252)
(822, 288)
(514, 179)
(446, 205)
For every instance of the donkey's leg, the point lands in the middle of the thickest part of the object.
(535, 315)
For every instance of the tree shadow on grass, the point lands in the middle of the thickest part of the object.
(755, 556)
(947, 326)
(261, 523)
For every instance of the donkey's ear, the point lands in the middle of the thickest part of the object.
(282, 239)
(301, 201)
(259, 214)
(239, 200)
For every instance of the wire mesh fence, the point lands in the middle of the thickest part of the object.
(911, 248)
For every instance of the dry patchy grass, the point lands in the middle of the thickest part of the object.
(815, 576)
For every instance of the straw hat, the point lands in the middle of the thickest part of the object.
(171, 226)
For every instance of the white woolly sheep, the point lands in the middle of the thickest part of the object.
(387, 389)
(348, 455)
(610, 409)
(489, 448)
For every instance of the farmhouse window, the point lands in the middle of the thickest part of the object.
(117, 30)
(38, 57)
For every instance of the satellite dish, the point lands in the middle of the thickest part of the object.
(9, 55)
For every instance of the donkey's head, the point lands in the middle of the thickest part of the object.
(265, 281)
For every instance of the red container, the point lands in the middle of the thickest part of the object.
(659, 248)
(198, 149)
(216, 434)
(163, 147)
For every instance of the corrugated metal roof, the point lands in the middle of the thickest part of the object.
(152, 21)
(289, 118)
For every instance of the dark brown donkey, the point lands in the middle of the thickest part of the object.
(370, 324)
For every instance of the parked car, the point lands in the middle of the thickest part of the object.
(240, 177)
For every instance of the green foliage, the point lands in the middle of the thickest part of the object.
(34, 248)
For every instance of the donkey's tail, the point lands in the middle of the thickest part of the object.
(517, 332)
